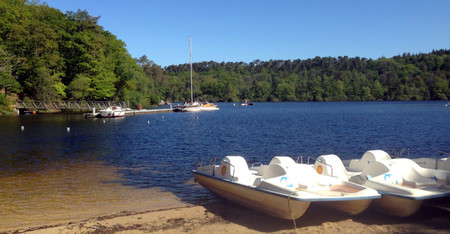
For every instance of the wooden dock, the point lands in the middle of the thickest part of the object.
(66, 105)
(144, 112)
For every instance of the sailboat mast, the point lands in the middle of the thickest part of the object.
(190, 54)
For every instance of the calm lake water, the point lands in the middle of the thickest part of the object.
(99, 163)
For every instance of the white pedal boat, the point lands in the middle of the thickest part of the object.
(436, 163)
(403, 184)
(283, 188)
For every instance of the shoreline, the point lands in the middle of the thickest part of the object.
(227, 217)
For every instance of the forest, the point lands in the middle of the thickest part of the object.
(49, 55)
(405, 77)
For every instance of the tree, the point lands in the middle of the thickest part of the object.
(79, 88)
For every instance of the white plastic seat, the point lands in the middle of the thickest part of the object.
(367, 158)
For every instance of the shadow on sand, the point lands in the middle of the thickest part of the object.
(434, 214)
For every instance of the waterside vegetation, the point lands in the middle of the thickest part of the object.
(49, 55)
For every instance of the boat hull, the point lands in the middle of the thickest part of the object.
(191, 109)
(209, 108)
(396, 206)
(112, 114)
(268, 203)
(352, 207)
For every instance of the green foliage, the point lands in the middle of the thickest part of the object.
(4, 105)
(406, 77)
(79, 88)
(7, 81)
(46, 54)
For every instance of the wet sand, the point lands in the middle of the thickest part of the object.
(64, 192)
(226, 217)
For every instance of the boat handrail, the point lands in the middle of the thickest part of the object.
(198, 161)
(321, 161)
(256, 164)
(439, 153)
(301, 159)
(214, 164)
(399, 154)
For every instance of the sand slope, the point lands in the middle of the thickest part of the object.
(226, 217)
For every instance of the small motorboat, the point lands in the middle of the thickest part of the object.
(246, 103)
(283, 188)
(403, 184)
(207, 106)
(112, 112)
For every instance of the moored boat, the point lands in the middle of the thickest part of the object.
(403, 184)
(283, 188)
(112, 112)
(246, 103)
(207, 106)
(194, 106)
(188, 107)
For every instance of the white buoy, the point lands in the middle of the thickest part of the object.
(104, 121)
(234, 104)
(162, 117)
(22, 128)
(148, 122)
(68, 129)
(197, 117)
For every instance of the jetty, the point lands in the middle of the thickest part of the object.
(150, 111)
(25, 106)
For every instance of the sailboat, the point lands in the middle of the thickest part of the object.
(194, 106)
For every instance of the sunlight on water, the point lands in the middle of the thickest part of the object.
(49, 175)
(72, 191)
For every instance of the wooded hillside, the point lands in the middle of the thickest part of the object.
(406, 77)
(49, 55)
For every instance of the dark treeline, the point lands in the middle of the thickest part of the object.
(406, 77)
(49, 55)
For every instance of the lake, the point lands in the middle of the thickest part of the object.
(99, 166)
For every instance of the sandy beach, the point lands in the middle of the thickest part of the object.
(226, 217)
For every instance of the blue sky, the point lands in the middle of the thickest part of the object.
(246, 30)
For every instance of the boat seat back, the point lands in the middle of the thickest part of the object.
(374, 169)
(305, 175)
(260, 170)
(426, 162)
(415, 176)
(331, 165)
(282, 160)
(367, 158)
(443, 164)
(235, 168)
(274, 170)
